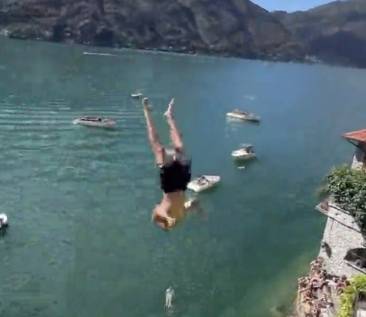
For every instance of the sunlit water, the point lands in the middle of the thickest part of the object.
(81, 242)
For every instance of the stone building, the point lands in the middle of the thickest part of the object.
(343, 246)
(358, 139)
(342, 254)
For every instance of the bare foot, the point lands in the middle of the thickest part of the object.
(169, 112)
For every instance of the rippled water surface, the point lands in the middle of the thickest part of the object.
(81, 242)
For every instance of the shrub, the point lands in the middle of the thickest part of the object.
(358, 283)
(348, 188)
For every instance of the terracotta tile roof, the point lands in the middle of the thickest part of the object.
(359, 135)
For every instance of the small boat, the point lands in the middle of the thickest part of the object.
(3, 221)
(137, 95)
(95, 122)
(203, 182)
(98, 54)
(243, 115)
(246, 152)
(169, 296)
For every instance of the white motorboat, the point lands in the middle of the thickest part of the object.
(3, 221)
(243, 115)
(203, 182)
(136, 95)
(98, 54)
(246, 152)
(95, 122)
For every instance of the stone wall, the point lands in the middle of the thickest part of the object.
(341, 234)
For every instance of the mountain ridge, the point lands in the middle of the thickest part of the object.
(334, 33)
(233, 27)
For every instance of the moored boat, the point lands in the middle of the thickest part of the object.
(243, 115)
(137, 95)
(203, 182)
(95, 122)
(246, 152)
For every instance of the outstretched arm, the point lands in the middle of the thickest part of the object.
(161, 217)
(156, 146)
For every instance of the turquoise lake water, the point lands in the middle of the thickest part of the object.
(81, 242)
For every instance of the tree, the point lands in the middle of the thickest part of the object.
(348, 189)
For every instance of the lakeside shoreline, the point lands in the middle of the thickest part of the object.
(173, 52)
(307, 61)
(340, 259)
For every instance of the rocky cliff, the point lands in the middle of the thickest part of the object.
(335, 33)
(230, 27)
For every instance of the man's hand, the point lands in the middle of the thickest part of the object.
(170, 221)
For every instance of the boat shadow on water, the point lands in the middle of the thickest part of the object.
(244, 164)
(241, 121)
(3, 233)
(98, 131)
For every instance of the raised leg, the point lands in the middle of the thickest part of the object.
(153, 136)
(175, 135)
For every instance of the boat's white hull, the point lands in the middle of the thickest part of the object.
(242, 117)
(103, 124)
(210, 181)
(238, 155)
(4, 219)
(136, 96)
(98, 54)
